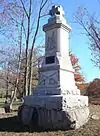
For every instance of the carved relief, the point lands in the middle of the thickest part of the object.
(52, 81)
(50, 42)
(42, 82)
(42, 79)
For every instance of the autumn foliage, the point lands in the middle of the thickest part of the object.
(75, 63)
(93, 91)
(79, 78)
(94, 88)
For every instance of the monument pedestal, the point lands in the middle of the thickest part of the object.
(56, 102)
(56, 112)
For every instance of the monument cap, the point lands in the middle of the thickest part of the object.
(56, 10)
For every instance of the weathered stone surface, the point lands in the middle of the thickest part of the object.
(56, 101)
(26, 115)
(95, 117)
(49, 102)
(56, 119)
(58, 111)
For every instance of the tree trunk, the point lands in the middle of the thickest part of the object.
(30, 76)
(28, 14)
(13, 95)
(7, 88)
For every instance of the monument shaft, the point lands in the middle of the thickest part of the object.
(56, 73)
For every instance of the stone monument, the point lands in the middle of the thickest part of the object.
(56, 102)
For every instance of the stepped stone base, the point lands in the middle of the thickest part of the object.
(55, 112)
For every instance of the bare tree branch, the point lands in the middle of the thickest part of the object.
(24, 8)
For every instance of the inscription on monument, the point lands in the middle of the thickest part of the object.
(50, 59)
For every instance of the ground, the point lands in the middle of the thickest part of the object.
(9, 126)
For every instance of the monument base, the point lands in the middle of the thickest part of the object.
(55, 112)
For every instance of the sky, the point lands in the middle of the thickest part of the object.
(79, 43)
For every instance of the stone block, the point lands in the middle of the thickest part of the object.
(70, 101)
(49, 102)
(56, 101)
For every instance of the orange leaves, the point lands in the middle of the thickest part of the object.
(79, 78)
(94, 88)
(74, 59)
(75, 63)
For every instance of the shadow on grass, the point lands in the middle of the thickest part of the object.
(11, 124)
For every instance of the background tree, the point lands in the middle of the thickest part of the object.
(79, 78)
(12, 76)
(20, 22)
(90, 22)
(93, 91)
